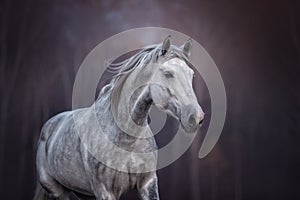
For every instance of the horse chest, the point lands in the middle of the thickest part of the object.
(117, 181)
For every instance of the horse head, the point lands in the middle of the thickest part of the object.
(171, 86)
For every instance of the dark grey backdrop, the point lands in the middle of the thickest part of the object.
(256, 45)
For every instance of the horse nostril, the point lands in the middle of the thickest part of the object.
(192, 120)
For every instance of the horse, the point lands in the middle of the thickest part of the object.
(67, 156)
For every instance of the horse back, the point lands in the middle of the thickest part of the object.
(51, 125)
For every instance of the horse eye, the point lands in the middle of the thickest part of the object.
(168, 74)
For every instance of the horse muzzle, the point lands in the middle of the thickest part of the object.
(192, 117)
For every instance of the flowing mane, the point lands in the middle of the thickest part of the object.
(144, 56)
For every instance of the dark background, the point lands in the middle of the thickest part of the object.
(255, 44)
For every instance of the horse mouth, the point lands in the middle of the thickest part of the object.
(201, 122)
(190, 127)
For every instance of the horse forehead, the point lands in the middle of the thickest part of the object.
(178, 63)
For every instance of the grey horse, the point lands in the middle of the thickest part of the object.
(76, 149)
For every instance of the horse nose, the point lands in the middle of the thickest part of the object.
(196, 117)
(192, 120)
(191, 116)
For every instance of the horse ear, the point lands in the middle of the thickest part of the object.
(166, 44)
(187, 48)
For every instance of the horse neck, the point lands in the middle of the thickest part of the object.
(132, 102)
(140, 104)
(116, 123)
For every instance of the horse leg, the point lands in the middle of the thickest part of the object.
(53, 188)
(148, 188)
(101, 192)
